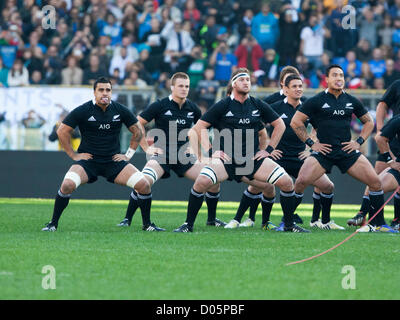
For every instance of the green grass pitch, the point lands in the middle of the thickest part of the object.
(94, 259)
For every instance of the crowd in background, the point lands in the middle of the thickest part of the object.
(143, 42)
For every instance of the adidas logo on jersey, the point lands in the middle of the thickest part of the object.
(229, 114)
(325, 106)
(168, 113)
(91, 119)
(284, 116)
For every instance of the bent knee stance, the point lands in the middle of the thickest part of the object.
(138, 182)
(71, 182)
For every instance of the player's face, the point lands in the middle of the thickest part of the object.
(181, 88)
(242, 85)
(335, 79)
(102, 94)
(295, 89)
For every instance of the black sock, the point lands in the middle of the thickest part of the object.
(397, 206)
(376, 199)
(247, 199)
(365, 205)
(60, 204)
(144, 202)
(266, 204)
(194, 205)
(253, 207)
(132, 206)
(298, 199)
(326, 204)
(212, 201)
(288, 203)
(317, 206)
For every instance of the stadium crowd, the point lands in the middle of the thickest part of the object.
(143, 42)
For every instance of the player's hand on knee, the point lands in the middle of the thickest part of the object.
(395, 165)
(82, 156)
(119, 157)
(351, 146)
(323, 148)
(304, 154)
(221, 155)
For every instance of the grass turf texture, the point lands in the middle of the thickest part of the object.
(94, 259)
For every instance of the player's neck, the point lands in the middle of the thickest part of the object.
(239, 96)
(293, 102)
(179, 101)
(102, 106)
(335, 92)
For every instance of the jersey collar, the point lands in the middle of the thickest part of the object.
(286, 101)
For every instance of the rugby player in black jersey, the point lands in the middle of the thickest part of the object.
(173, 116)
(238, 119)
(390, 100)
(100, 122)
(330, 112)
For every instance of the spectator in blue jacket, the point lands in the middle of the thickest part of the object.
(265, 28)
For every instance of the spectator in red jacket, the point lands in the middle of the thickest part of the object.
(249, 53)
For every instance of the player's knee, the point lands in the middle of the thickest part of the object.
(143, 187)
(269, 190)
(215, 188)
(375, 184)
(202, 184)
(254, 190)
(285, 183)
(138, 182)
(71, 182)
(328, 188)
(301, 183)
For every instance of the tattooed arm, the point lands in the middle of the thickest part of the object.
(368, 127)
(300, 129)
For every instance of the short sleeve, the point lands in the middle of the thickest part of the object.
(214, 114)
(359, 110)
(72, 119)
(151, 111)
(128, 117)
(267, 113)
(307, 107)
(197, 113)
(389, 97)
(391, 128)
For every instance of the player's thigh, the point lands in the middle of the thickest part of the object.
(272, 173)
(388, 180)
(363, 171)
(258, 186)
(194, 171)
(215, 170)
(150, 176)
(310, 171)
(380, 166)
(125, 175)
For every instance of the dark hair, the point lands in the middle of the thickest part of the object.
(291, 77)
(331, 67)
(101, 80)
(286, 70)
(229, 89)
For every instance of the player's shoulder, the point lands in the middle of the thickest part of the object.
(352, 98)
(277, 105)
(192, 105)
(119, 106)
(84, 107)
(259, 102)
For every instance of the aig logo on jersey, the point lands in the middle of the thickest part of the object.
(105, 126)
(180, 121)
(339, 112)
(244, 121)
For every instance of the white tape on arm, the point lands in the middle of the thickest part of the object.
(129, 153)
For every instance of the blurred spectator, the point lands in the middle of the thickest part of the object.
(289, 37)
(377, 64)
(93, 71)
(119, 62)
(394, 9)
(396, 35)
(72, 74)
(363, 50)
(197, 66)
(368, 24)
(144, 19)
(36, 78)
(224, 63)
(210, 33)
(3, 74)
(134, 80)
(265, 28)
(33, 120)
(224, 10)
(366, 75)
(351, 65)
(379, 84)
(267, 66)
(192, 14)
(244, 25)
(75, 136)
(174, 12)
(179, 42)
(248, 54)
(390, 74)
(385, 32)
(207, 88)
(18, 75)
(110, 27)
(312, 41)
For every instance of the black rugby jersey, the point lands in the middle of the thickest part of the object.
(331, 117)
(230, 114)
(100, 130)
(392, 97)
(391, 130)
(167, 115)
(289, 144)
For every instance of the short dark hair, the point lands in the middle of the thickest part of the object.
(291, 77)
(286, 70)
(331, 67)
(101, 80)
